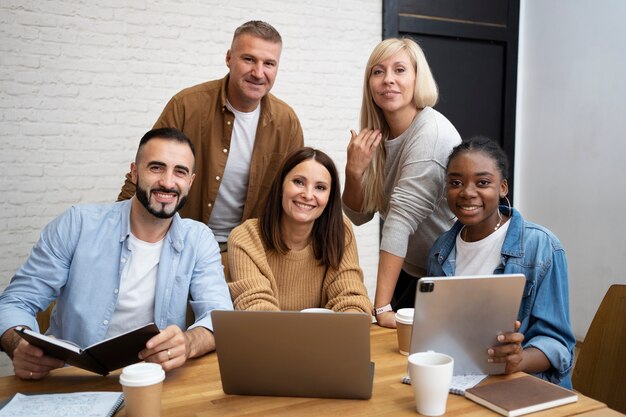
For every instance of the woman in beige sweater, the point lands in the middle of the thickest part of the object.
(300, 253)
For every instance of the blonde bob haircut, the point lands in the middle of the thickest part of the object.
(425, 94)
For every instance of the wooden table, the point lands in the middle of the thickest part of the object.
(196, 390)
(601, 412)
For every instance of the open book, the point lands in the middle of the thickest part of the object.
(102, 357)
(518, 396)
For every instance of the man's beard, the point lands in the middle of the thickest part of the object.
(143, 196)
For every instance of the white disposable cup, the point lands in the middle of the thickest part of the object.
(431, 377)
(404, 326)
(142, 384)
(317, 310)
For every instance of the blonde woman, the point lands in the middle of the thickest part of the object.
(396, 166)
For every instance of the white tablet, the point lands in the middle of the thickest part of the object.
(462, 317)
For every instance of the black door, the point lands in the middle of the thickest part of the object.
(471, 46)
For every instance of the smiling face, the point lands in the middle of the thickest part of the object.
(253, 64)
(474, 189)
(163, 175)
(306, 190)
(392, 84)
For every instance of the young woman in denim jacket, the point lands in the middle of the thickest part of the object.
(489, 238)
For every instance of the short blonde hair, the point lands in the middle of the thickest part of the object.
(425, 94)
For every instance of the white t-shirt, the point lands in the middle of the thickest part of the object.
(231, 195)
(135, 302)
(481, 257)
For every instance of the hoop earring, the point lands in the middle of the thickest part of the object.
(499, 221)
(508, 202)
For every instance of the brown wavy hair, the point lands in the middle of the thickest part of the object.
(328, 234)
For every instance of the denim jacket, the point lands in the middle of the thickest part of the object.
(79, 259)
(534, 251)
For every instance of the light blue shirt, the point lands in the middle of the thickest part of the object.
(78, 262)
(534, 251)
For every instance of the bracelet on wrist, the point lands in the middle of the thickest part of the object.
(383, 309)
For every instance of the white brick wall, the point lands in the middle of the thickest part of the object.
(81, 82)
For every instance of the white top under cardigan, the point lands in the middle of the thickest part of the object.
(415, 179)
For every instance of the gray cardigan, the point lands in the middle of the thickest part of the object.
(415, 178)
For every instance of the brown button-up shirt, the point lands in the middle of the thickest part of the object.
(201, 113)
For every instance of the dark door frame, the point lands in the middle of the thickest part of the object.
(459, 24)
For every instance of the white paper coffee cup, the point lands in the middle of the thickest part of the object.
(142, 384)
(404, 324)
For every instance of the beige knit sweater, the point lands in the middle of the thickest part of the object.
(262, 279)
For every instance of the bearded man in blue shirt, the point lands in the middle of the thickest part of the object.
(115, 267)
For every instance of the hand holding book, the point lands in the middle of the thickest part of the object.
(102, 357)
(28, 361)
(172, 346)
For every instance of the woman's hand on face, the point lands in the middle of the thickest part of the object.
(387, 319)
(361, 150)
(509, 351)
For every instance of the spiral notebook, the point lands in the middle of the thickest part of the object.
(460, 383)
(84, 404)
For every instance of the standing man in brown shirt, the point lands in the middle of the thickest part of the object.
(241, 133)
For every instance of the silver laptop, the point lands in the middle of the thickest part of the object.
(462, 317)
(294, 354)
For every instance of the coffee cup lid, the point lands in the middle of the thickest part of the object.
(405, 315)
(317, 310)
(142, 374)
